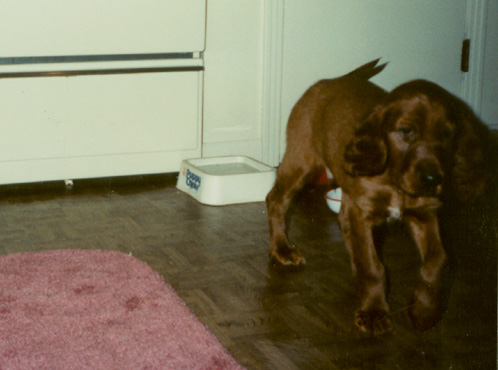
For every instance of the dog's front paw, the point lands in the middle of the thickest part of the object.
(373, 320)
(286, 255)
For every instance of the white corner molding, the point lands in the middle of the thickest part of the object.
(272, 81)
(476, 32)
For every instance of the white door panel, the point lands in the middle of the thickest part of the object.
(419, 39)
(31, 122)
(124, 114)
(60, 27)
(105, 125)
(327, 38)
(489, 104)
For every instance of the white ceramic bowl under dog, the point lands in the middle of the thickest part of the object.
(226, 180)
(334, 199)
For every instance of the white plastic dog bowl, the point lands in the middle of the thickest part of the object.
(334, 199)
(226, 180)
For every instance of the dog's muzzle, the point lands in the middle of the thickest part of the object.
(422, 173)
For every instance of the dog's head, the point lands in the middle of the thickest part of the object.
(426, 138)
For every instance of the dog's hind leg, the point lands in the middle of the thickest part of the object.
(292, 175)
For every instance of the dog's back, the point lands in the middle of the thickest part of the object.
(330, 111)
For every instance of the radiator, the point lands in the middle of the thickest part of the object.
(99, 88)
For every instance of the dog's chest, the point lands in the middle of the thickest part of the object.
(394, 207)
(401, 205)
(394, 213)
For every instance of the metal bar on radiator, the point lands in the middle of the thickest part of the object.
(90, 72)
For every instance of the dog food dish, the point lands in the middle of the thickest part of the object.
(225, 180)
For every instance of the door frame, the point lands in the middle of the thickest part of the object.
(475, 31)
(272, 81)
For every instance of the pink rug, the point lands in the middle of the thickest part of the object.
(97, 310)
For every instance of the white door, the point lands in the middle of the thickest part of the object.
(489, 104)
(327, 38)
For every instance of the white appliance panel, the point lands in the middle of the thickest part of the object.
(56, 27)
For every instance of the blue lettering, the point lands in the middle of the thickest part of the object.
(192, 180)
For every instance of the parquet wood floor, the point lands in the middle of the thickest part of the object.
(270, 317)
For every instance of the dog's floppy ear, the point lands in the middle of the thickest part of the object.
(471, 163)
(366, 153)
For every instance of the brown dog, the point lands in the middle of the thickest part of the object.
(396, 156)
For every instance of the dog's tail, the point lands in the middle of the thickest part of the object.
(367, 71)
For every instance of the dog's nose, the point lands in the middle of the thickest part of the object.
(431, 179)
